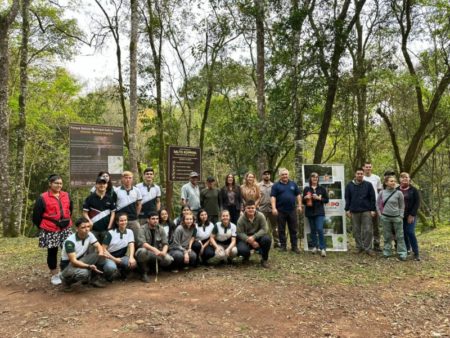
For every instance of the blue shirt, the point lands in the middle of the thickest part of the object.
(285, 195)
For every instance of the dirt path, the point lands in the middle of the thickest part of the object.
(219, 302)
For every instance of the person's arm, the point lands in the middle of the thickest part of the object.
(263, 227)
(347, 200)
(324, 196)
(108, 255)
(138, 207)
(184, 197)
(401, 203)
(231, 246)
(415, 201)
(158, 203)
(111, 219)
(373, 207)
(258, 196)
(38, 211)
(86, 215)
(273, 202)
(131, 260)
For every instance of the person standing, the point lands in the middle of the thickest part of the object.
(190, 193)
(314, 198)
(252, 232)
(286, 201)
(52, 215)
(377, 187)
(265, 206)
(230, 198)
(412, 203)
(151, 195)
(209, 200)
(99, 209)
(250, 190)
(360, 207)
(391, 207)
(129, 200)
(153, 246)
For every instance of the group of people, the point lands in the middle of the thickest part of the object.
(368, 202)
(125, 228)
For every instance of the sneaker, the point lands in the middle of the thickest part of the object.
(377, 249)
(264, 264)
(323, 253)
(282, 248)
(401, 258)
(314, 251)
(417, 258)
(145, 278)
(296, 251)
(56, 279)
(174, 270)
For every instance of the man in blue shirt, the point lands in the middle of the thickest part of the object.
(286, 200)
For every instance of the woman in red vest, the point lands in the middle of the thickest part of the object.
(51, 214)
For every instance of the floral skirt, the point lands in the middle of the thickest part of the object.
(53, 239)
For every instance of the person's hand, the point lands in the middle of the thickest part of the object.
(186, 257)
(227, 252)
(411, 219)
(255, 245)
(349, 214)
(373, 213)
(93, 268)
(202, 249)
(300, 208)
(132, 263)
(250, 239)
(275, 212)
(219, 251)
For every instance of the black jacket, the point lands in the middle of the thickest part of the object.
(317, 208)
(360, 197)
(225, 203)
(412, 201)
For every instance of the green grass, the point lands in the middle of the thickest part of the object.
(338, 268)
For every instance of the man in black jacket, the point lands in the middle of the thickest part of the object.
(360, 207)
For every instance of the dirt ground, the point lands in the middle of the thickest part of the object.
(227, 301)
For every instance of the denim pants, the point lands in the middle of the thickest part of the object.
(316, 225)
(390, 225)
(110, 267)
(409, 231)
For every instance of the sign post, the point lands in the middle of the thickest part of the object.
(94, 148)
(182, 161)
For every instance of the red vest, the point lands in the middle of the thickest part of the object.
(53, 208)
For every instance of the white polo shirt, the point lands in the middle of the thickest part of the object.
(204, 233)
(116, 240)
(222, 234)
(75, 244)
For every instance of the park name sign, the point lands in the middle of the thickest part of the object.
(94, 148)
(183, 161)
(331, 177)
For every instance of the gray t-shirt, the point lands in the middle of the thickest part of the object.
(191, 194)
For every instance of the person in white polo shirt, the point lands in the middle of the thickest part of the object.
(223, 239)
(77, 264)
(151, 195)
(119, 250)
(129, 200)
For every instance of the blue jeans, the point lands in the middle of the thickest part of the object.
(316, 225)
(110, 267)
(409, 232)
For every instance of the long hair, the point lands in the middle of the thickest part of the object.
(109, 184)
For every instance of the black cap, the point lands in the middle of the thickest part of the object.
(267, 171)
(210, 179)
(389, 172)
(100, 180)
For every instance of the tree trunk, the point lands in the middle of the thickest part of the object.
(19, 186)
(133, 89)
(260, 79)
(6, 19)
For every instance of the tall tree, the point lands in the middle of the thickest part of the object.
(342, 24)
(19, 179)
(113, 26)
(133, 87)
(7, 17)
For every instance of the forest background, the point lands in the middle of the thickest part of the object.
(255, 84)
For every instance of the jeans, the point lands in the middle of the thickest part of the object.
(316, 225)
(396, 224)
(362, 230)
(178, 258)
(272, 223)
(110, 267)
(291, 219)
(409, 231)
(264, 245)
